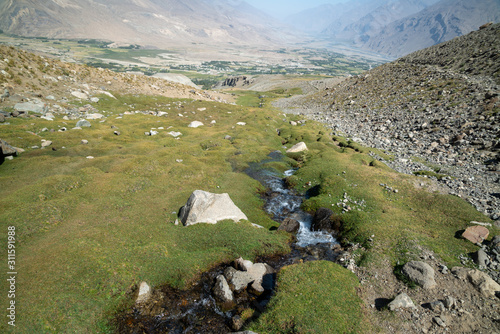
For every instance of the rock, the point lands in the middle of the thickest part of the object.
(237, 322)
(483, 283)
(439, 321)
(322, 221)
(80, 95)
(222, 291)
(36, 107)
(195, 124)
(437, 306)
(116, 133)
(401, 301)
(84, 142)
(241, 123)
(83, 124)
(450, 302)
(6, 149)
(205, 207)
(420, 273)
(299, 147)
(144, 293)
(481, 258)
(242, 264)
(239, 280)
(293, 123)
(476, 234)
(2, 118)
(175, 134)
(46, 143)
(94, 99)
(289, 225)
(94, 116)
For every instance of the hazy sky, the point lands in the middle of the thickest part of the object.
(283, 8)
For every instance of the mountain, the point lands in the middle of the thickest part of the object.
(158, 23)
(328, 19)
(438, 104)
(373, 22)
(435, 24)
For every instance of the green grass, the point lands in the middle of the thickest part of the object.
(89, 229)
(314, 297)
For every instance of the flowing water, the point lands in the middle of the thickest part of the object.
(195, 310)
(283, 203)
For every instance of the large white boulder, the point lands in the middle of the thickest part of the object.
(205, 207)
(299, 147)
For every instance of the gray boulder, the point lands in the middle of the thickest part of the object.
(6, 149)
(205, 207)
(420, 273)
(36, 107)
(299, 147)
(222, 291)
(83, 123)
(401, 301)
(481, 259)
(289, 225)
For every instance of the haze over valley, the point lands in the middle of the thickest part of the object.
(230, 166)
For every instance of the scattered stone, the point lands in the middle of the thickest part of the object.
(80, 95)
(293, 123)
(94, 116)
(36, 107)
(480, 223)
(483, 283)
(437, 306)
(195, 124)
(175, 134)
(241, 123)
(299, 147)
(439, 321)
(94, 99)
(144, 293)
(46, 143)
(84, 142)
(481, 258)
(289, 225)
(228, 137)
(6, 149)
(450, 302)
(116, 133)
(83, 124)
(476, 234)
(242, 264)
(90, 157)
(205, 207)
(401, 301)
(222, 291)
(420, 273)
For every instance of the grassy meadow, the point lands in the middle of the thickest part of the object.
(87, 230)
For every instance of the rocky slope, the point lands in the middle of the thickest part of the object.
(436, 24)
(145, 22)
(436, 111)
(31, 83)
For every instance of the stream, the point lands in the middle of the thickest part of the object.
(195, 310)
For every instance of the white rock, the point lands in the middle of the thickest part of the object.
(46, 143)
(94, 99)
(299, 147)
(90, 157)
(241, 123)
(80, 95)
(94, 116)
(84, 141)
(144, 293)
(195, 124)
(205, 207)
(175, 134)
